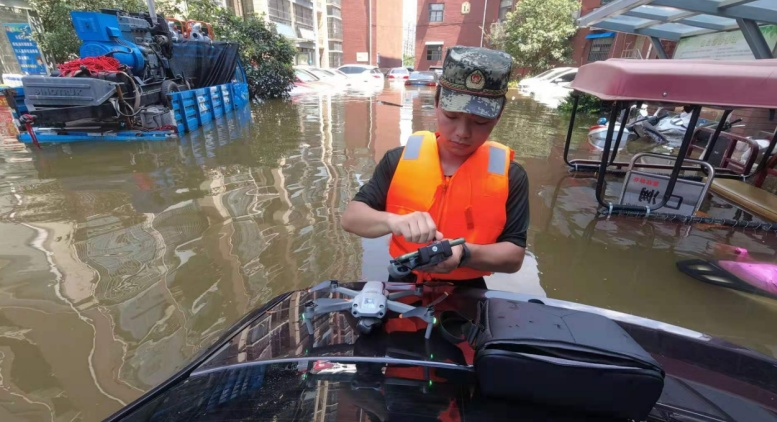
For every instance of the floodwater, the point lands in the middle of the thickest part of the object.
(119, 262)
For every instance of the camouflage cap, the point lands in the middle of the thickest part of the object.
(474, 80)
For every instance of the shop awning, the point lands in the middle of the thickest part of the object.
(599, 35)
(673, 19)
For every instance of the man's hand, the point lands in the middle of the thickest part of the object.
(449, 264)
(416, 227)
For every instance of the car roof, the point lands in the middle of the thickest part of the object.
(365, 66)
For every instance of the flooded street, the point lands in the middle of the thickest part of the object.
(119, 262)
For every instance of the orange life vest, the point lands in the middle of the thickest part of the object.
(470, 204)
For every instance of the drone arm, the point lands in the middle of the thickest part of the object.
(397, 295)
(347, 292)
(399, 307)
(333, 305)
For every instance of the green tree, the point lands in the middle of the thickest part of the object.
(537, 32)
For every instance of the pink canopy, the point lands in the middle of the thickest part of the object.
(729, 84)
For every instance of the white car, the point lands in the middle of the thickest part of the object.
(552, 92)
(398, 74)
(331, 76)
(363, 75)
(526, 85)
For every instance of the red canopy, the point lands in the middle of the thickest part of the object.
(729, 84)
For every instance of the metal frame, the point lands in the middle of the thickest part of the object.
(705, 186)
(673, 20)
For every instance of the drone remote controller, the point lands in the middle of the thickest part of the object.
(423, 257)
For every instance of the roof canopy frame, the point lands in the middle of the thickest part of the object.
(673, 20)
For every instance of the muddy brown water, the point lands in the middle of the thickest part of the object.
(119, 262)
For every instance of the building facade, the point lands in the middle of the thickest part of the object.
(373, 33)
(444, 23)
(593, 45)
(294, 19)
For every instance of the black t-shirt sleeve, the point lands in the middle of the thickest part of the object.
(375, 191)
(517, 224)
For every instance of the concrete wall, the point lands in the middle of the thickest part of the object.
(355, 35)
(386, 31)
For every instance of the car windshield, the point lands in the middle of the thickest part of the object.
(320, 73)
(553, 73)
(544, 73)
(304, 76)
(423, 76)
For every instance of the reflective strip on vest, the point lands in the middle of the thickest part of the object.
(413, 147)
(496, 160)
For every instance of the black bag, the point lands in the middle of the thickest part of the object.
(560, 357)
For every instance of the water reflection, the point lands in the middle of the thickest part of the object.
(119, 262)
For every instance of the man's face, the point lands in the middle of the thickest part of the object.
(461, 133)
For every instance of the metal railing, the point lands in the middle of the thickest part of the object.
(632, 53)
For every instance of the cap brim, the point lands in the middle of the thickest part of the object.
(454, 101)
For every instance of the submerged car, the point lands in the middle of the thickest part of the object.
(526, 86)
(423, 78)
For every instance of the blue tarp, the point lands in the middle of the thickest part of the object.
(600, 35)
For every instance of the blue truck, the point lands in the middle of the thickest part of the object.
(136, 79)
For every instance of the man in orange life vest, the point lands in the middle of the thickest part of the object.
(454, 182)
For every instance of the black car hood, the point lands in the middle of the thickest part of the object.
(268, 367)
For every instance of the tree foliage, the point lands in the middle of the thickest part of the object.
(537, 33)
(587, 104)
(266, 55)
(58, 39)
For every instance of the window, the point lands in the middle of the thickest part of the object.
(334, 11)
(280, 11)
(335, 29)
(435, 12)
(303, 16)
(503, 12)
(568, 77)
(600, 49)
(335, 46)
(333, 2)
(434, 53)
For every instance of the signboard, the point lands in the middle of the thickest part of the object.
(729, 45)
(25, 48)
(362, 57)
(647, 190)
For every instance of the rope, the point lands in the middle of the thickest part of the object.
(93, 65)
(676, 218)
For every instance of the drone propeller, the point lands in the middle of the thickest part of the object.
(322, 286)
(420, 311)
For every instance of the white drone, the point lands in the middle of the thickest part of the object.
(371, 304)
